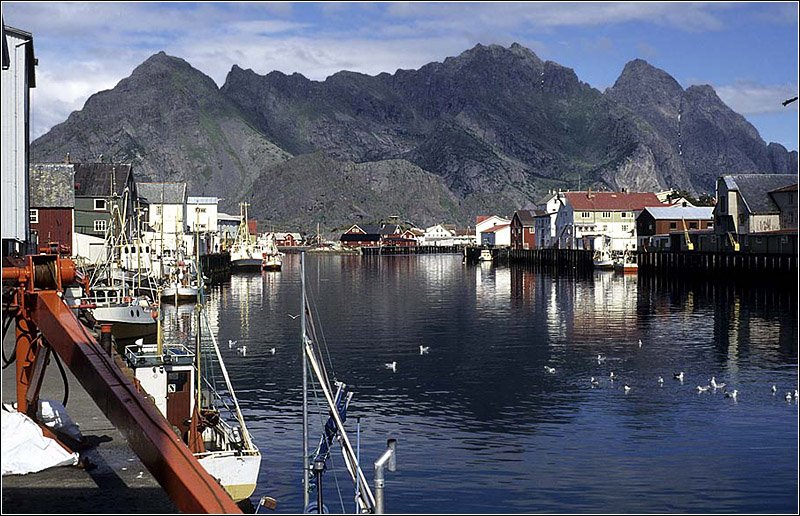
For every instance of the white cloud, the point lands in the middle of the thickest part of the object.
(749, 98)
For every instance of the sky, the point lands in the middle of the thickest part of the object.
(747, 51)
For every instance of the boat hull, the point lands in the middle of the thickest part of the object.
(127, 322)
(605, 265)
(171, 294)
(238, 474)
(246, 264)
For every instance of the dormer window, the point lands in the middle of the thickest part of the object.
(100, 204)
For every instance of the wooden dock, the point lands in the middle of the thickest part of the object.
(411, 249)
(724, 265)
(216, 266)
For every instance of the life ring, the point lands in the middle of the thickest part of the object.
(154, 314)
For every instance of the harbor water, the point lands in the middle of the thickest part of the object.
(481, 425)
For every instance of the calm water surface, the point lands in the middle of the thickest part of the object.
(481, 426)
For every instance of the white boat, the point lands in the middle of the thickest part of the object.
(130, 316)
(485, 256)
(181, 283)
(246, 252)
(626, 263)
(272, 258)
(602, 259)
(203, 408)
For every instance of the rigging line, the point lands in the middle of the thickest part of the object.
(323, 341)
(336, 481)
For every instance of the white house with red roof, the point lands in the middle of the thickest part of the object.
(587, 220)
(492, 230)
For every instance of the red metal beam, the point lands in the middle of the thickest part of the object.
(188, 484)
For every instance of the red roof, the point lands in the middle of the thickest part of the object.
(611, 201)
(481, 218)
(495, 228)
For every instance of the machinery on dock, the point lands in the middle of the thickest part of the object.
(46, 326)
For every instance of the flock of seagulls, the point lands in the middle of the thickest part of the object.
(392, 366)
(243, 348)
(713, 385)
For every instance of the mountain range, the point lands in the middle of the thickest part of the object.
(489, 131)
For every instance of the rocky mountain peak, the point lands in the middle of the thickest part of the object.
(641, 79)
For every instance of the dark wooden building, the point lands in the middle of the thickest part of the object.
(361, 236)
(655, 224)
(523, 230)
(52, 204)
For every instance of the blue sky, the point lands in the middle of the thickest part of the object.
(747, 51)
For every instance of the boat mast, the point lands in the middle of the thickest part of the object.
(305, 374)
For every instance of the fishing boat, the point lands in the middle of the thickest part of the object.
(485, 256)
(116, 292)
(602, 259)
(130, 316)
(246, 252)
(626, 263)
(181, 282)
(272, 258)
(192, 389)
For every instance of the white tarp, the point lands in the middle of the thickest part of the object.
(25, 449)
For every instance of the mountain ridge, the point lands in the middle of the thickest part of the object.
(498, 126)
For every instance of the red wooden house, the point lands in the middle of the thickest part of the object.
(52, 204)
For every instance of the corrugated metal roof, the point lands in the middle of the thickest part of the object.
(94, 179)
(611, 201)
(755, 189)
(680, 212)
(163, 193)
(52, 185)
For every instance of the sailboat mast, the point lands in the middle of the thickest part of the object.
(305, 374)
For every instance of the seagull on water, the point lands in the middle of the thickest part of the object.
(702, 389)
(732, 394)
(611, 376)
(424, 349)
(594, 382)
(392, 366)
(271, 351)
(627, 389)
(716, 385)
(600, 358)
(242, 350)
(661, 381)
(551, 370)
(640, 343)
(774, 389)
(678, 376)
(231, 343)
(788, 396)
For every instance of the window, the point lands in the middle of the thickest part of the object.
(624, 227)
(100, 225)
(100, 205)
(34, 216)
(710, 225)
(585, 214)
(606, 214)
(673, 225)
(623, 214)
(693, 225)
